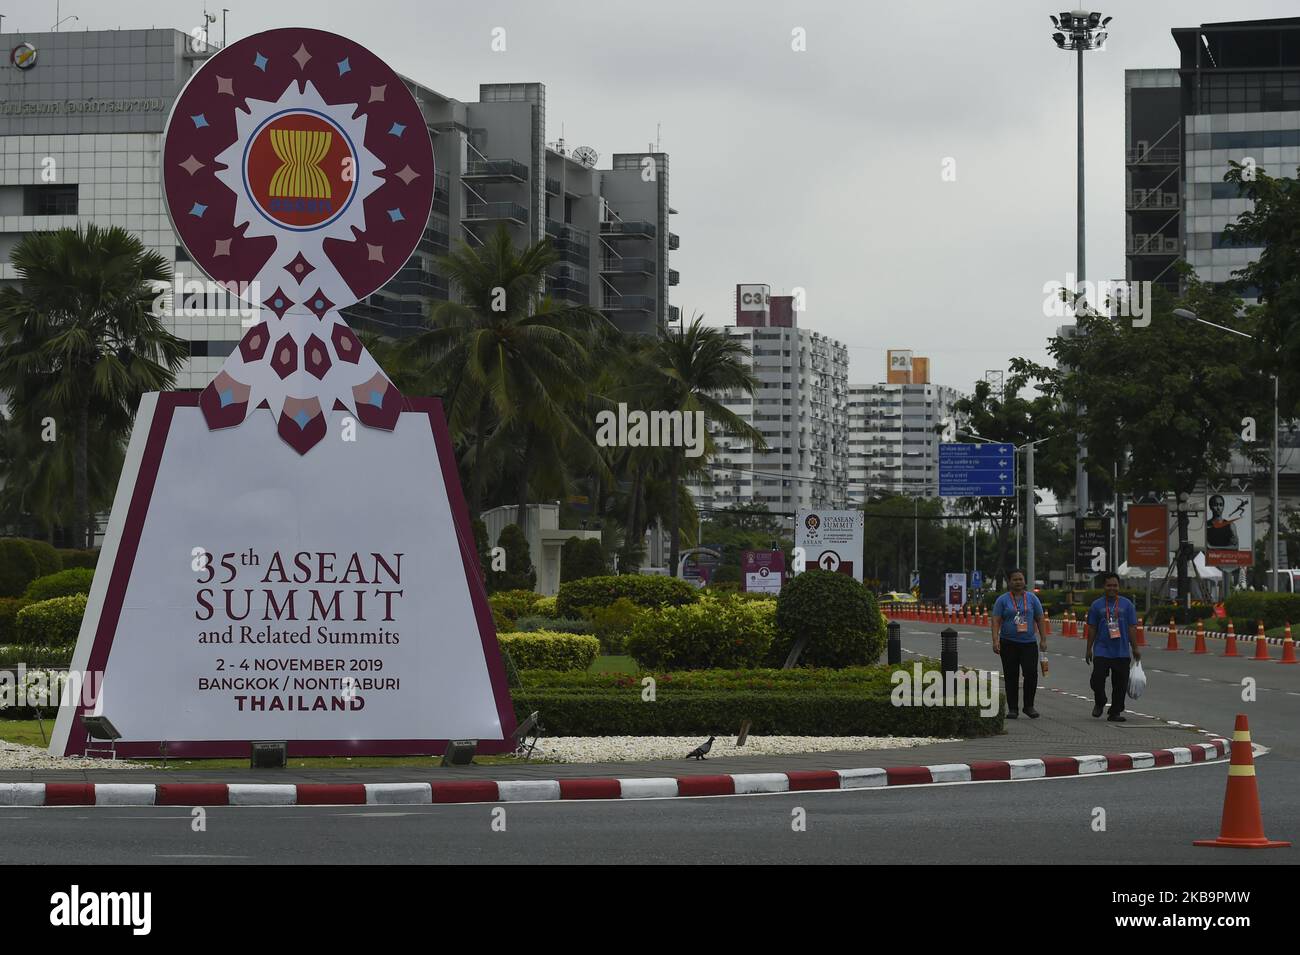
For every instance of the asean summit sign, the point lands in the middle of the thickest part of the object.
(271, 570)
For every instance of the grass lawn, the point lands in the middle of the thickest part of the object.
(614, 665)
(29, 733)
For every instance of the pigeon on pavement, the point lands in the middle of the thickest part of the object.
(700, 751)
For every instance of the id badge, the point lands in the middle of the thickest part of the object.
(1114, 630)
(1021, 625)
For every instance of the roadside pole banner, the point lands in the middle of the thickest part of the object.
(1229, 529)
(1148, 535)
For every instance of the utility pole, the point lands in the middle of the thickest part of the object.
(1031, 510)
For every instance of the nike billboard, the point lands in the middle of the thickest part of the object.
(1148, 535)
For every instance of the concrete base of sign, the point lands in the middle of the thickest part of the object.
(245, 592)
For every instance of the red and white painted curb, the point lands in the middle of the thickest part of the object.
(547, 790)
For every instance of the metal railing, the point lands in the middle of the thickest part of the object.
(495, 169)
(628, 266)
(630, 230)
(495, 211)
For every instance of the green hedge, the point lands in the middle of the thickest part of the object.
(715, 632)
(1246, 608)
(51, 623)
(547, 650)
(514, 603)
(9, 607)
(47, 557)
(839, 616)
(612, 625)
(535, 622)
(704, 703)
(65, 583)
(71, 557)
(18, 567)
(1159, 616)
(645, 590)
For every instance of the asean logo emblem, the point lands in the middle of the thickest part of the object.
(299, 170)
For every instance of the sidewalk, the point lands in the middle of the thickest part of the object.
(1065, 729)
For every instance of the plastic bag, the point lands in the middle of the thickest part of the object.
(1137, 680)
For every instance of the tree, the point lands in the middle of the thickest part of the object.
(697, 364)
(1162, 404)
(581, 558)
(519, 573)
(80, 342)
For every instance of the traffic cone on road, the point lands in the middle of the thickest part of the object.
(1230, 642)
(1173, 636)
(1288, 647)
(1261, 643)
(1243, 824)
(1200, 638)
(1141, 640)
(1047, 623)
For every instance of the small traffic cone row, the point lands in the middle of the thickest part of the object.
(1261, 643)
(1288, 647)
(1243, 824)
(1200, 638)
(1172, 644)
(1230, 642)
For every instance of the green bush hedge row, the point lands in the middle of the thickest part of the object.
(1246, 608)
(18, 567)
(50, 623)
(546, 650)
(645, 590)
(74, 580)
(71, 557)
(534, 622)
(721, 712)
(9, 607)
(514, 603)
(715, 632)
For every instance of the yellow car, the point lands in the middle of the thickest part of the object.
(897, 597)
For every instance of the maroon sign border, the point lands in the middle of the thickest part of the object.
(120, 575)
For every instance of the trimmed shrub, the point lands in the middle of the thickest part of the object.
(644, 590)
(548, 650)
(72, 557)
(838, 615)
(9, 607)
(546, 607)
(612, 625)
(715, 632)
(1246, 608)
(805, 702)
(18, 567)
(65, 583)
(514, 604)
(502, 623)
(47, 557)
(535, 622)
(580, 559)
(51, 623)
(519, 573)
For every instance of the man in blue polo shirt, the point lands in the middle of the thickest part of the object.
(1111, 619)
(1018, 633)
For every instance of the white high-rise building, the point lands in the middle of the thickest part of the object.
(800, 407)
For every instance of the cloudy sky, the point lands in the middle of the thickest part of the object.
(818, 169)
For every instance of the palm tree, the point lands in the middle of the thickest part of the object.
(80, 341)
(513, 365)
(696, 364)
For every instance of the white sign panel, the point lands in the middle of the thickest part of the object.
(955, 590)
(763, 581)
(241, 596)
(753, 298)
(831, 540)
(900, 361)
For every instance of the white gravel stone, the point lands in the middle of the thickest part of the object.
(19, 756)
(604, 749)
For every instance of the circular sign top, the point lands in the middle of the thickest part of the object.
(23, 56)
(298, 158)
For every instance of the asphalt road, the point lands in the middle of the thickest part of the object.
(1150, 817)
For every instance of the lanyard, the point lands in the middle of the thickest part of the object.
(1015, 607)
(1112, 616)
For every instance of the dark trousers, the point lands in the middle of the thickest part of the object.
(1117, 667)
(1020, 659)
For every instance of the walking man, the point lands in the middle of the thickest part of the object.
(1018, 633)
(1111, 620)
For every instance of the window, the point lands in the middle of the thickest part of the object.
(50, 200)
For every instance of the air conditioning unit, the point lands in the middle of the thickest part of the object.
(1171, 200)
(1139, 196)
(1139, 242)
(1171, 243)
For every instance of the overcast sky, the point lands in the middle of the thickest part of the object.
(818, 169)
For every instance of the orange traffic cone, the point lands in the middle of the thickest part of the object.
(1243, 825)
(1173, 636)
(1200, 638)
(1141, 635)
(1047, 623)
(1261, 644)
(1288, 647)
(1230, 642)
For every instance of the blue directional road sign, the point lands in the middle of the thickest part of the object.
(976, 580)
(977, 470)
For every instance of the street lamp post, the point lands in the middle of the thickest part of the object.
(1079, 31)
(1276, 521)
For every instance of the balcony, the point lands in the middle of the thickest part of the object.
(412, 280)
(496, 212)
(571, 243)
(568, 288)
(1155, 244)
(675, 315)
(441, 191)
(674, 240)
(552, 186)
(1161, 156)
(628, 303)
(629, 265)
(674, 277)
(495, 170)
(1153, 200)
(435, 240)
(627, 230)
